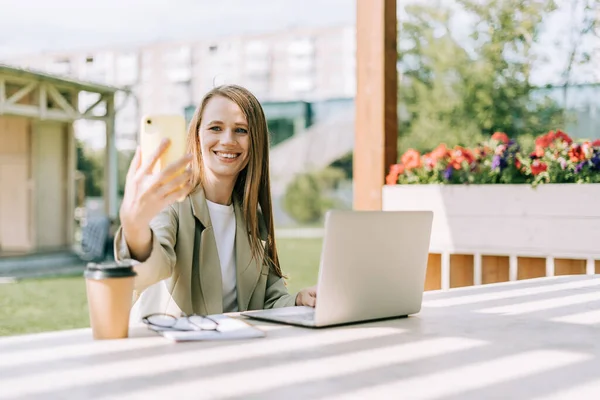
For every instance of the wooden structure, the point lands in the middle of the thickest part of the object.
(376, 135)
(38, 158)
(496, 233)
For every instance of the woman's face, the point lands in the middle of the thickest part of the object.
(224, 139)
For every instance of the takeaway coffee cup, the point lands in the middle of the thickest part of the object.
(109, 293)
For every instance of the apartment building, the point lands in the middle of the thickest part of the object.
(309, 65)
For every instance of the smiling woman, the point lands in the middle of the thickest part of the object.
(224, 144)
(214, 251)
(224, 165)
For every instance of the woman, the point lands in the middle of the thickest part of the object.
(214, 251)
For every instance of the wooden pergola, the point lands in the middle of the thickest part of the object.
(376, 134)
(54, 98)
(38, 156)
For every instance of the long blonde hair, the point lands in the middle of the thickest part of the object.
(253, 184)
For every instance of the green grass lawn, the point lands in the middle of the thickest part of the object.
(39, 305)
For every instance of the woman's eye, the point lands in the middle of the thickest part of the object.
(214, 128)
(241, 130)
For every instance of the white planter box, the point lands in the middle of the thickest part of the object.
(550, 221)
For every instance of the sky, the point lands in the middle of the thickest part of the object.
(29, 26)
(32, 26)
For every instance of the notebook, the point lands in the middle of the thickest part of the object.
(228, 328)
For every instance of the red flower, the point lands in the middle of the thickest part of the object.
(538, 152)
(411, 159)
(576, 153)
(440, 152)
(563, 137)
(537, 167)
(429, 161)
(500, 137)
(391, 179)
(596, 143)
(481, 152)
(395, 171)
(545, 140)
(551, 137)
(460, 155)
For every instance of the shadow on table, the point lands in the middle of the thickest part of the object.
(504, 344)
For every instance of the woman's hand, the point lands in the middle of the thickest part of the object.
(146, 194)
(307, 297)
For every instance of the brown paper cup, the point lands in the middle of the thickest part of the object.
(109, 293)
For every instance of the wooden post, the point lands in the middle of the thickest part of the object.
(376, 130)
(2, 94)
(111, 181)
(477, 269)
(71, 170)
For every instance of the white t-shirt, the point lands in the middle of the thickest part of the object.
(223, 222)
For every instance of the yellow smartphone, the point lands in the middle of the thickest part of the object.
(155, 128)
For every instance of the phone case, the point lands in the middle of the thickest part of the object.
(154, 128)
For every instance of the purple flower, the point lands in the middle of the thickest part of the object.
(448, 173)
(579, 167)
(596, 162)
(498, 162)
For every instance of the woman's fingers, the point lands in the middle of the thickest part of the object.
(310, 300)
(174, 184)
(148, 166)
(178, 194)
(307, 297)
(175, 171)
(176, 167)
(135, 163)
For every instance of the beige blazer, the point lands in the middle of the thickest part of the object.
(183, 272)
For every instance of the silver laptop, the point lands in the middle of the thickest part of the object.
(373, 266)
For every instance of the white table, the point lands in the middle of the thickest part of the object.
(520, 340)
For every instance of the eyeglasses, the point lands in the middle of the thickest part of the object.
(184, 323)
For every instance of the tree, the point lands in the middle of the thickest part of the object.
(90, 165)
(583, 24)
(459, 91)
(310, 195)
(302, 199)
(431, 62)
